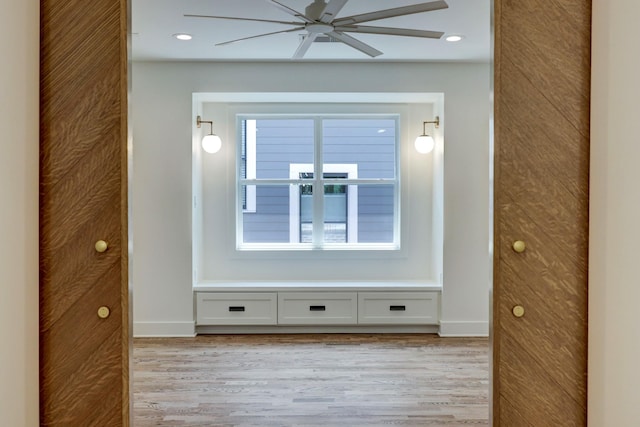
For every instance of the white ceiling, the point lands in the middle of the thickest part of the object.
(155, 21)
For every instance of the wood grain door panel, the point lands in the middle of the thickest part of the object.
(83, 358)
(542, 95)
(549, 42)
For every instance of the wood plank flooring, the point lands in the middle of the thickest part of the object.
(311, 380)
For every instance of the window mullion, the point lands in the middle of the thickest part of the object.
(318, 187)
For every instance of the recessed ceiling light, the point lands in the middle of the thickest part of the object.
(382, 130)
(454, 38)
(182, 36)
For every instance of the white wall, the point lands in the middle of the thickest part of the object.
(614, 265)
(162, 108)
(19, 45)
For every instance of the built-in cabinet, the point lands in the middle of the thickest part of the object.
(236, 308)
(317, 308)
(350, 305)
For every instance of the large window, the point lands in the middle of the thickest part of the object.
(318, 182)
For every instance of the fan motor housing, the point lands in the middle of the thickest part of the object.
(319, 28)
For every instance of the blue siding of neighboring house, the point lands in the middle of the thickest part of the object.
(357, 141)
(375, 214)
(270, 222)
(350, 141)
(280, 143)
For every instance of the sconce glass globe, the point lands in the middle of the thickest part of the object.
(211, 143)
(425, 144)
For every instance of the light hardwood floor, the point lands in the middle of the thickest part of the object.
(311, 380)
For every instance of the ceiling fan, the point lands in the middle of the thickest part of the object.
(319, 18)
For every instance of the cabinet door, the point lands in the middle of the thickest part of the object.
(398, 308)
(319, 308)
(236, 308)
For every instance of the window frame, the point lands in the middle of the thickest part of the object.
(293, 182)
(249, 164)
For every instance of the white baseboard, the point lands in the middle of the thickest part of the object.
(327, 329)
(464, 328)
(164, 329)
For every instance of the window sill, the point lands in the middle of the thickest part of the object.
(308, 286)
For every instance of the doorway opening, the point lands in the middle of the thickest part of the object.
(265, 80)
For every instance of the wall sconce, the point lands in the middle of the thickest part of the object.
(211, 143)
(425, 143)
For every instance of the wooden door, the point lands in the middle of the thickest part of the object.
(83, 357)
(542, 96)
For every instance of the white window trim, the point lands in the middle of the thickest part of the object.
(354, 247)
(295, 169)
(250, 167)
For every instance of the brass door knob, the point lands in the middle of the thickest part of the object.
(518, 311)
(104, 312)
(101, 246)
(519, 246)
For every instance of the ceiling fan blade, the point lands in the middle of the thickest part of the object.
(242, 19)
(390, 13)
(365, 29)
(260, 35)
(305, 45)
(287, 9)
(355, 43)
(331, 10)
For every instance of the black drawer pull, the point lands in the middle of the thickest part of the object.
(398, 308)
(317, 308)
(236, 308)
